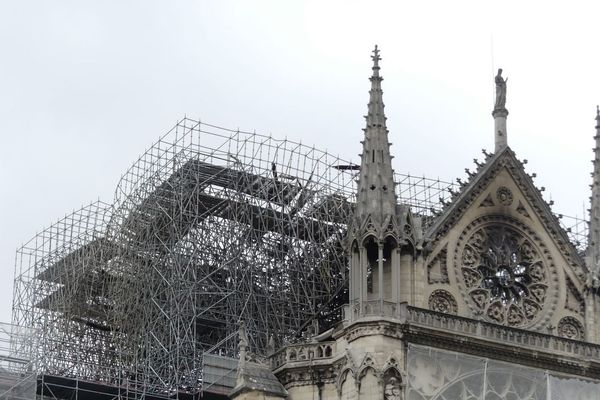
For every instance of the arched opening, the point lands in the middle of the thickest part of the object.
(372, 270)
(389, 247)
(392, 385)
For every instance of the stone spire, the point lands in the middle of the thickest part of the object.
(376, 195)
(594, 231)
(374, 232)
(500, 113)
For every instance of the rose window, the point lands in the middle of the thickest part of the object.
(504, 274)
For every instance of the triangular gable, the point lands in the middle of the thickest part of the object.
(534, 203)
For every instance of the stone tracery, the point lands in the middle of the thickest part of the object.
(504, 275)
(571, 328)
(442, 301)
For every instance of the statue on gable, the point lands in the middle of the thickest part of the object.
(500, 91)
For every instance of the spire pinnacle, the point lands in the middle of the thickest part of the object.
(593, 251)
(376, 58)
(376, 194)
(377, 219)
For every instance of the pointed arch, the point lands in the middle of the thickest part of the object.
(346, 383)
(369, 384)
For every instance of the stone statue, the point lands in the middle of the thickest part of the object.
(392, 390)
(500, 91)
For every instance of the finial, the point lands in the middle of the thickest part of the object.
(376, 58)
(597, 112)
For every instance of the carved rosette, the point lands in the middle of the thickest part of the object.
(504, 196)
(570, 328)
(442, 301)
(503, 274)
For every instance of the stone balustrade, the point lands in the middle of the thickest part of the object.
(460, 328)
(370, 308)
(303, 352)
(493, 332)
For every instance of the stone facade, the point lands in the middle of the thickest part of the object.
(491, 300)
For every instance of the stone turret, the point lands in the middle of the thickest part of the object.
(375, 231)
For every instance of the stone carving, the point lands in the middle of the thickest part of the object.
(487, 202)
(570, 328)
(504, 275)
(504, 196)
(500, 91)
(437, 269)
(522, 210)
(442, 301)
(574, 301)
(392, 390)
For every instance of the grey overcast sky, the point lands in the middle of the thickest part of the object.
(87, 86)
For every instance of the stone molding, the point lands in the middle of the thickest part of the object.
(501, 342)
(439, 330)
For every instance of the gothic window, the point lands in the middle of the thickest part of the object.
(505, 277)
(439, 375)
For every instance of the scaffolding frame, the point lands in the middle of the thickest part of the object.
(209, 227)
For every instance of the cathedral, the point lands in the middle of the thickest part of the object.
(232, 265)
(491, 300)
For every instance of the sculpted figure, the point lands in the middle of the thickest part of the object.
(500, 91)
(393, 390)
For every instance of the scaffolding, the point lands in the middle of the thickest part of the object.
(17, 369)
(208, 227)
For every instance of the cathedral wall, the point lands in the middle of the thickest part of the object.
(406, 277)
(349, 390)
(329, 391)
(370, 389)
(303, 392)
(256, 395)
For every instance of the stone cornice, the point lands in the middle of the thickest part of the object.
(501, 342)
(464, 335)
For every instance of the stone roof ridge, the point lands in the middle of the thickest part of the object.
(465, 188)
(479, 180)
